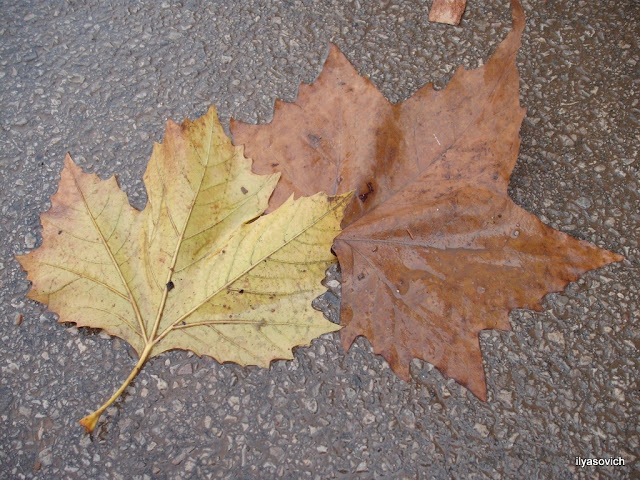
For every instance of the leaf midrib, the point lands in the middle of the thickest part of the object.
(156, 324)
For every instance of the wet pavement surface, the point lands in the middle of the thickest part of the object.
(99, 80)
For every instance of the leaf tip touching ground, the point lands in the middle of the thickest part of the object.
(335, 327)
(68, 161)
(519, 21)
(477, 387)
(612, 257)
(600, 257)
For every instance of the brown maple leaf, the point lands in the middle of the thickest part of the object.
(434, 250)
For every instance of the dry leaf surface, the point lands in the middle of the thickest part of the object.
(447, 11)
(188, 271)
(433, 249)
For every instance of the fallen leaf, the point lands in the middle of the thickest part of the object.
(187, 272)
(447, 11)
(433, 249)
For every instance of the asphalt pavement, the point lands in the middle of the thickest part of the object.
(100, 79)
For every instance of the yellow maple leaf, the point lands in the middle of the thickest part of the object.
(187, 272)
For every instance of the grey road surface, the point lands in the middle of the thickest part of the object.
(100, 79)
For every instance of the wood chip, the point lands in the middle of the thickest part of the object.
(447, 11)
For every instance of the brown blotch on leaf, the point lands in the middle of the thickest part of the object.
(363, 196)
(314, 140)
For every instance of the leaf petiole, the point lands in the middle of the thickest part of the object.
(90, 421)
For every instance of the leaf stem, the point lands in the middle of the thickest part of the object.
(90, 421)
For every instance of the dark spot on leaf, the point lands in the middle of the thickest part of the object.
(243, 190)
(363, 196)
(170, 286)
(275, 164)
(314, 141)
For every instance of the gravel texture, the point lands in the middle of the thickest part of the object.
(99, 79)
